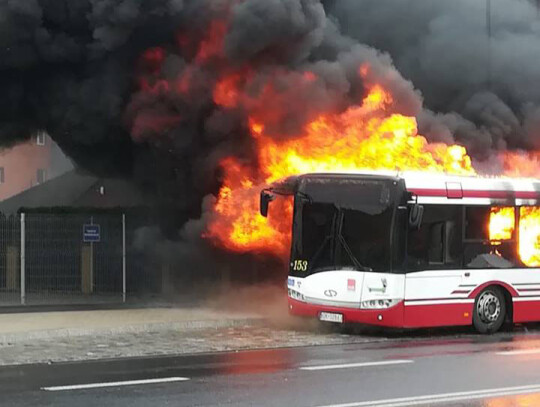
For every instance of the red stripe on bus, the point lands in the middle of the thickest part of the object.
(391, 317)
(508, 287)
(437, 299)
(469, 193)
(526, 311)
(415, 316)
(398, 316)
(431, 315)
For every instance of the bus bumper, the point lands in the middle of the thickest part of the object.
(389, 317)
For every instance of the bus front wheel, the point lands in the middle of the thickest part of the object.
(489, 310)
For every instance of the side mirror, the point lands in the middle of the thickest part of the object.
(415, 216)
(266, 198)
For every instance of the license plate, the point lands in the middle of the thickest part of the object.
(331, 317)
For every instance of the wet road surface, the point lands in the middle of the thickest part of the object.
(469, 370)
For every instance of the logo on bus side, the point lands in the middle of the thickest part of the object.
(379, 289)
(351, 284)
(330, 293)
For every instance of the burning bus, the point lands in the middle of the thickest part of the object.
(413, 250)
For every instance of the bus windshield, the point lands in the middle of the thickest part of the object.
(342, 224)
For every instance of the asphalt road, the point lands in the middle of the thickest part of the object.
(469, 370)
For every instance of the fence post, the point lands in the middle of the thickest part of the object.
(123, 257)
(23, 260)
(91, 261)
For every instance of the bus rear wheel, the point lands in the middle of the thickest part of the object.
(489, 310)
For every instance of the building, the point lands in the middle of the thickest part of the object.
(29, 164)
(62, 262)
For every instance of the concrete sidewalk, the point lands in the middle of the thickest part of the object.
(41, 325)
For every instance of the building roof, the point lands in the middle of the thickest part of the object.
(76, 189)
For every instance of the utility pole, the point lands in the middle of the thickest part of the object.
(488, 33)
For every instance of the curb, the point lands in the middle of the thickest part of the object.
(142, 328)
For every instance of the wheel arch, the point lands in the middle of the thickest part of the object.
(505, 286)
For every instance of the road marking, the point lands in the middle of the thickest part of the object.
(519, 352)
(444, 397)
(115, 384)
(352, 365)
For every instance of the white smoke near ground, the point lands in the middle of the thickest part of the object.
(268, 301)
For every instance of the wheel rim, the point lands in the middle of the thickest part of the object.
(488, 307)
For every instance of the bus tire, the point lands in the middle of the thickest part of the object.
(489, 311)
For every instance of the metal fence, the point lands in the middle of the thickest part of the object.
(62, 258)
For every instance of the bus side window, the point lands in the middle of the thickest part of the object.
(438, 241)
(478, 250)
(443, 243)
(399, 242)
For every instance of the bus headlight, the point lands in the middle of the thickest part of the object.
(378, 304)
(296, 295)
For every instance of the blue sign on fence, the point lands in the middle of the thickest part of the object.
(91, 233)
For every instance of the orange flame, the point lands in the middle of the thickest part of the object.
(366, 136)
(502, 225)
(502, 222)
(362, 137)
(238, 225)
(529, 236)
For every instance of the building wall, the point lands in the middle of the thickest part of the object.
(24, 164)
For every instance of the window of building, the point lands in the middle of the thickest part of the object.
(2, 179)
(40, 138)
(41, 176)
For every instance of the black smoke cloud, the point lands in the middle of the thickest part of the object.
(69, 67)
(482, 87)
(124, 89)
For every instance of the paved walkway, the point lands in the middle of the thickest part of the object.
(53, 337)
(39, 325)
(217, 325)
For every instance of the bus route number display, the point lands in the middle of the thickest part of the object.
(300, 265)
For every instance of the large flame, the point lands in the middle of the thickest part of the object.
(363, 137)
(368, 135)
(502, 222)
(529, 236)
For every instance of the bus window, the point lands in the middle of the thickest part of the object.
(489, 237)
(329, 237)
(314, 246)
(367, 236)
(476, 223)
(399, 240)
(529, 235)
(438, 241)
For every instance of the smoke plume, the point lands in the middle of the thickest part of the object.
(475, 71)
(160, 91)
